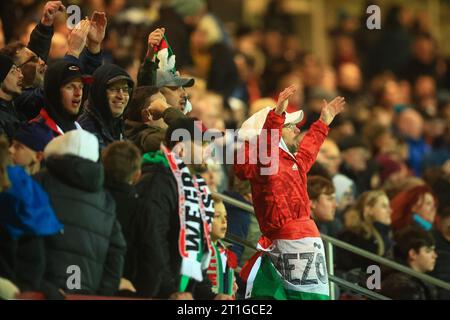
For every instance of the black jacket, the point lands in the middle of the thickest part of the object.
(22, 261)
(345, 260)
(52, 94)
(400, 286)
(92, 237)
(139, 229)
(159, 189)
(41, 40)
(147, 73)
(96, 116)
(442, 267)
(10, 119)
(31, 100)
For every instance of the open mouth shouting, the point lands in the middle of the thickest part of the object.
(76, 103)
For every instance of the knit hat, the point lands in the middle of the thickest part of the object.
(5, 66)
(186, 8)
(78, 142)
(34, 135)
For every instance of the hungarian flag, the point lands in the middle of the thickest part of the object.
(288, 269)
(165, 55)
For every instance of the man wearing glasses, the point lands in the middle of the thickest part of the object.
(108, 97)
(10, 86)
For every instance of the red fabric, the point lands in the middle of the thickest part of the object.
(45, 118)
(232, 261)
(281, 200)
(247, 268)
(162, 45)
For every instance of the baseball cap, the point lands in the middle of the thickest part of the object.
(170, 79)
(73, 71)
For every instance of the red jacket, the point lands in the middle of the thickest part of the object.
(281, 200)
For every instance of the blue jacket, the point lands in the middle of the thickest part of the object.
(418, 149)
(26, 208)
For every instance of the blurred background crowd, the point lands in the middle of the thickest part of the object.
(386, 161)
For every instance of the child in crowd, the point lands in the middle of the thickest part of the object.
(27, 148)
(322, 199)
(414, 248)
(223, 261)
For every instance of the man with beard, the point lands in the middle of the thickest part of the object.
(10, 86)
(290, 262)
(183, 203)
(63, 92)
(169, 83)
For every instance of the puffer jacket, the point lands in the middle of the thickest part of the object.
(281, 200)
(92, 238)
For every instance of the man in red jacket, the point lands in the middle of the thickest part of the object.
(290, 263)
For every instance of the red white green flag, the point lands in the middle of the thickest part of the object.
(291, 269)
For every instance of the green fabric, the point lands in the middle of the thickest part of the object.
(268, 285)
(230, 281)
(267, 282)
(184, 281)
(219, 269)
(155, 157)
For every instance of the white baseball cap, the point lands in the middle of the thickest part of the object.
(252, 126)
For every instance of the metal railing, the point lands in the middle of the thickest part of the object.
(330, 242)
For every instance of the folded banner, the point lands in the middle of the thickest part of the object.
(287, 270)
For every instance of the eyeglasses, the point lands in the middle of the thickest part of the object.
(124, 90)
(290, 126)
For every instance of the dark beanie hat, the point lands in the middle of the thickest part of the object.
(5, 66)
(34, 135)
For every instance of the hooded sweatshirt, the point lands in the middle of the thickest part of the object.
(96, 116)
(53, 107)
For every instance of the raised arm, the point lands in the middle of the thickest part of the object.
(310, 145)
(147, 71)
(270, 134)
(41, 36)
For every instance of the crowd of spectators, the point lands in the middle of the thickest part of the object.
(84, 111)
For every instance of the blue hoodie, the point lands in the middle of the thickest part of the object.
(25, 207)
